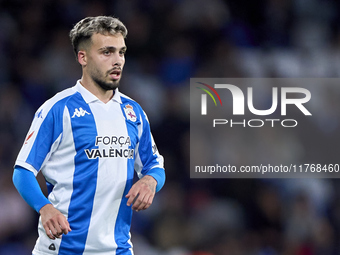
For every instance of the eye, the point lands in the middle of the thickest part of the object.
(106, 52)
(122, 52)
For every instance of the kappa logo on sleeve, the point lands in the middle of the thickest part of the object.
(154, 149)
(80, 112)
(39, 114)
(130, 113)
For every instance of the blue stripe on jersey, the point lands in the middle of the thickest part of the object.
(84, 179)
(123, 222)
(53, 123)
(145, 147)
(146, 155)
(49, 187)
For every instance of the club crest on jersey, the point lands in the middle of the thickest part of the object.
(130, 113)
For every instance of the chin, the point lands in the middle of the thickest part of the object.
(108, 85)
(115, 85)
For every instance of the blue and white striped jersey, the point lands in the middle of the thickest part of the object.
(88, 152)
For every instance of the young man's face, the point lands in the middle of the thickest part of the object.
(105, 60)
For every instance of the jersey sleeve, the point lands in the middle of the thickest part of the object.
(42, 139)
(148, 159)
(29, 189)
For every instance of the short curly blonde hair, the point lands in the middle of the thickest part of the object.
(81, 33)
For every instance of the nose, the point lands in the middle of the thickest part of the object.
(118, 60)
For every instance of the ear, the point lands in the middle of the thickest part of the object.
(82, 58)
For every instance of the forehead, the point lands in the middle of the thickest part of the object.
(100, 41)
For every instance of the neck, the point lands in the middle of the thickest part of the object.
(102, 94)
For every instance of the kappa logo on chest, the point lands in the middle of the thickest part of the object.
(80, 112)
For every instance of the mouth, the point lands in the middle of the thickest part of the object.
(115, 74)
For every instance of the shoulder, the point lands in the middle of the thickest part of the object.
(126, 100)
(58, 101)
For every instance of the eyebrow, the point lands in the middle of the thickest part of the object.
(111, 48)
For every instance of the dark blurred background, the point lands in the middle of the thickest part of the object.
(170, 41)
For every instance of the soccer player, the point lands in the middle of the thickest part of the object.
(87, 141)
